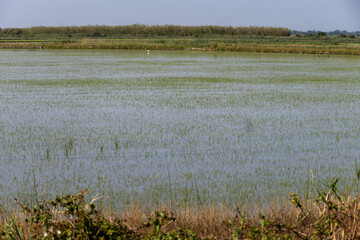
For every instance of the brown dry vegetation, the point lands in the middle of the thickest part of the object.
(316, 220)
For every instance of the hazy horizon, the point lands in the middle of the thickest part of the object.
(320, 15)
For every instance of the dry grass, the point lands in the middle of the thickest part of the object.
(208, 222)
(214, 222)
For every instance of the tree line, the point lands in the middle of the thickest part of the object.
(329, 33)
(143, 30)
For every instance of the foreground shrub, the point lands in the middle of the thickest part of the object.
(68, 217)
(328, 216)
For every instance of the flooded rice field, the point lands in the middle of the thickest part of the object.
(184, 127)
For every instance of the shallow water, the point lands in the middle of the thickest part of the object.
(198, 127)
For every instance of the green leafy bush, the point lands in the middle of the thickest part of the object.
(69, 217)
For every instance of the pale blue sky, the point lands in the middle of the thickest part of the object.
(322, 15)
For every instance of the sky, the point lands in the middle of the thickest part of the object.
(321, 15)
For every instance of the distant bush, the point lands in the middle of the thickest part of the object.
(11, 31)
(320, 34)
(96, 34)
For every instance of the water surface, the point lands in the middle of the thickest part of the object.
(198, 127)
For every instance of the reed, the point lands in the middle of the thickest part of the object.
(143, 30)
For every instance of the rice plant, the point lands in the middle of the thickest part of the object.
(211, 128)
